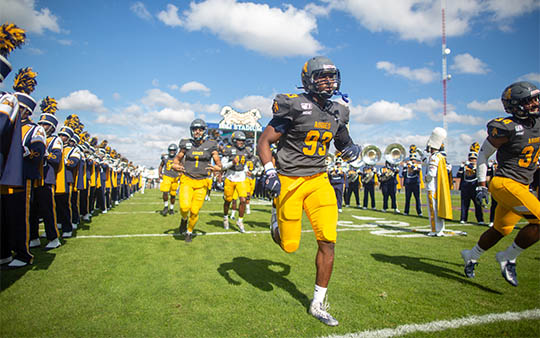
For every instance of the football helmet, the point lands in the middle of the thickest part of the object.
(173, 149)
(238, 136)
(198, 123)
(321, 77)
(521, 99)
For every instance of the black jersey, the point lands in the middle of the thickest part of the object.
(197, 157)
(518, 158)
(302, 150)
(167, 169)
(243, 156)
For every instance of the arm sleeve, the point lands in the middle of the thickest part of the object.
(342, 138)
(486, 150)
(280, 124)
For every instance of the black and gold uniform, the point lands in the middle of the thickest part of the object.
(194, 184)
(300, 163)
(517, 162)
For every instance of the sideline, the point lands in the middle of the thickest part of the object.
(442, 325)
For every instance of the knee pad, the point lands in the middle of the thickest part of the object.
(290, 246)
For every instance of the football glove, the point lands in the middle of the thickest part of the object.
(271, 183)
(351, 152)
(482, 196)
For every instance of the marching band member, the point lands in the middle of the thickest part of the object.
(467, 186)
(353, 186)
(34, 143)
(388, 181)
(369, 181)
(411, 180)
(234, 160)
(43, 200)
(516, 140)
(437, 184)
(78, 178)
(338, 180)
(11, 150)
(194, 162)
(170, 179)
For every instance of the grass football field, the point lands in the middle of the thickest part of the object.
(129, 274)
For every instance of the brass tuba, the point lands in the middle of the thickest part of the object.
(394, 153)
(371, 154)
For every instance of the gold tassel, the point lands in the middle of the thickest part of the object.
(11, 37)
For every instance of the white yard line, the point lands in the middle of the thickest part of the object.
(442, 325)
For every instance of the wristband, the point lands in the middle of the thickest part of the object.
(269, 166)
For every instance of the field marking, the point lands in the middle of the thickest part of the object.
(442, 325)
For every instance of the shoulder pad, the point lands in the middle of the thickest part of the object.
(185, 144)
(342, 111)
(502, 127)
(284, 104)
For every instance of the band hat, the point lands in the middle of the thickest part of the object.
(5, 68)
(473, 155)
(436, 138)
(49, 119)
(11, 37)
(75, 138)
(66, 131)
(26, 101)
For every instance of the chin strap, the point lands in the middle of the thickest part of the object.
(344, 97)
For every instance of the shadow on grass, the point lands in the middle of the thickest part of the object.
(258, 273)
(422, 264)
(42, 261)
(180, 237)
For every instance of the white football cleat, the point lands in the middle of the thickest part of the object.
(68, 234)
(6, 260)
(240, 225)
(17, 263)
(319, 310)
(508, 268)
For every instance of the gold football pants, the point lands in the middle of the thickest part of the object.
(317, 198)
(514, 200)
(169, 184)
(192, 194)
(233, 190)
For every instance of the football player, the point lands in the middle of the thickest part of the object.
(170, 178)
(234, 161)
(516, 139)
(304, 124)
(194, 161)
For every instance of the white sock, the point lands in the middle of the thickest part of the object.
(513, 251)
(171, 206)
(232, 213)
(240, 220)
(319, 294)
(226, 217)
(166, 204)
(476, 252)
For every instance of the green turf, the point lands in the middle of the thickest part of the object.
(244, 285)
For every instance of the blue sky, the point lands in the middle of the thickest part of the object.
(138, 72)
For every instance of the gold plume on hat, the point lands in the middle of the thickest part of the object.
(475, 147)
(72, 121)
(103, 144)
(94, 141)
(11, 37)
(25, 81)
(113, 153)
(84, 136)
(412, 149)
(48, 105)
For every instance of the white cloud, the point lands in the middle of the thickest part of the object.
(531, 77)
(65, 42)
(264, 104)
(257, 27)
(175, 116)
(133, 108)
(140, 10)
(380, 112)
(468, 64)
(427, 105)
(421, 19)
(194, 86)
(82, 100)
(453, 117)
(503, 9)
(490, 105)
(173, 87)
(423, 75)
(24, 14)
(170, 16)
(155, 82)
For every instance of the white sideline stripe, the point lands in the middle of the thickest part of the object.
(444, 324)
(197, 234)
